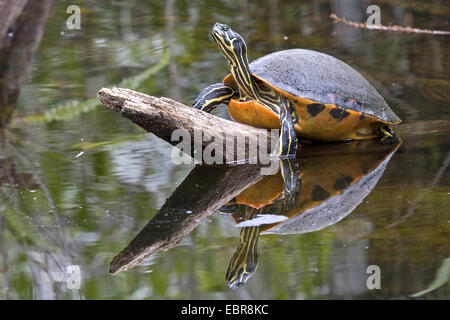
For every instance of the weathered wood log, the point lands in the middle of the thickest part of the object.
(162, 116)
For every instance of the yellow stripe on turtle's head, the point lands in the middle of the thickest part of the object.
(230, 43)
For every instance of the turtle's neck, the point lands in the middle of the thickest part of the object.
(240, 70)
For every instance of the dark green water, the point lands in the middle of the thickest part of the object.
(78, 182)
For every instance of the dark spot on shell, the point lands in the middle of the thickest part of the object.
(315, 108)
(339, 113)
(342, 183)
(362, 117)
(319, 194)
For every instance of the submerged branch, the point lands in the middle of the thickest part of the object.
(394, 28)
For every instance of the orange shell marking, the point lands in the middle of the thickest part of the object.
(262, 193)
(317, 121)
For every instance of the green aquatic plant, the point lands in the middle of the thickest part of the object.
(106, 144)
(65, 111)
(71, 109)
(442, 277)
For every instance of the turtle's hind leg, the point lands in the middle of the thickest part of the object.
(387, 135)
(212, 96)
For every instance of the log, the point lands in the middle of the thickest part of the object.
(233, 142)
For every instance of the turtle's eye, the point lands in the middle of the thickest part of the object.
(225, 28)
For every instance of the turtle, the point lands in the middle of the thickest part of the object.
(299, 91)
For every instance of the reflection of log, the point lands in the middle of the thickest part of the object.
(162, 116)
(205, 190)
(21, 28)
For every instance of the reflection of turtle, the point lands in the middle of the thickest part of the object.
(328, 189)
(304, 92)
(347, 172)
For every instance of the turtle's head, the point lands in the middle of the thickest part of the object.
(231, 44)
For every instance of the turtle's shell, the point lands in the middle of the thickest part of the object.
(316, 82)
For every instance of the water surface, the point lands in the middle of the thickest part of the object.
(79, 182)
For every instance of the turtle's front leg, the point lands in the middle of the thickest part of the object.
(212, 96)
(287, 144)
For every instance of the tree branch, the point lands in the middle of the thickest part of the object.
(394, 28)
